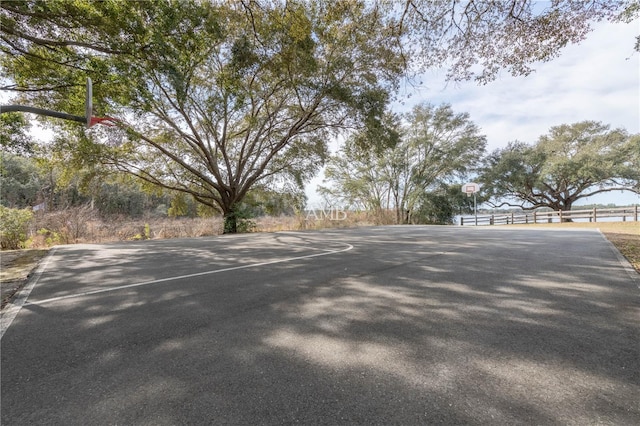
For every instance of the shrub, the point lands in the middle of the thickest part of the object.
(49, 237)
(13, 227)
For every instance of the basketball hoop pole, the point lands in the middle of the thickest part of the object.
(475, 208)
(88, 120)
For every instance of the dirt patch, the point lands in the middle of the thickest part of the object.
(15, 268)
(628, 245)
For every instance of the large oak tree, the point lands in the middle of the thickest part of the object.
(218, 97)
(571, 162)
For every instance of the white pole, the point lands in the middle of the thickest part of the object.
(475, 209)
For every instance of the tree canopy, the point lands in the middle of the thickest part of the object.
(435, 147)
(212, 109)
(14, 134)
(218, 97)
(475, 40)
(571, 162)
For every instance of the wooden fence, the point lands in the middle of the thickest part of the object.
(592, 215)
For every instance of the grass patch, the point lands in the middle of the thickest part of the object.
(15, 267)
(626, 237)
(17, 264)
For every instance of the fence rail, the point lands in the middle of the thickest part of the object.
(592, 215)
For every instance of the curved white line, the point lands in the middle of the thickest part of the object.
(180, 277)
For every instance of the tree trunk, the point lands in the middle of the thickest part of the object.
(230, 222)
(566, 208)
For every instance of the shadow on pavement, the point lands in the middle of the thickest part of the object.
(415, 325)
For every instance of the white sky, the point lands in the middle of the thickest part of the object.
(599, 80)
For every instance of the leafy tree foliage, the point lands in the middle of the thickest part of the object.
(219, 96)
(13, 134)
(20, 181)
(217, 109)
(442, 204)
(13, 227)
(571, 162)
(436, 146)
(477, 39)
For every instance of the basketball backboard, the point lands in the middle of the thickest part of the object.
(470, 188)
(88, 103)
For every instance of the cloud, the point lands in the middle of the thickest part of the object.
(598, 79)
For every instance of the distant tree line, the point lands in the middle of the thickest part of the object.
(33, 181)
(416, 171)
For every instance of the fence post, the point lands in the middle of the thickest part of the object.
(491, 220)
(535, 219)
(560, 215)
(595, 215)
(461, 221)
(635, 213)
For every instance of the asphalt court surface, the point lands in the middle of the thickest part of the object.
(105, 268)
(380, 325)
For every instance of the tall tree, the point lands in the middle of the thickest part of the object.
(571, 162)
(355, 174)
(435, 147)
(438, 145)
(353, 179)
(212, 108)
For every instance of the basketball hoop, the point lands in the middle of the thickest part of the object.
(105, 121)
(88, 120)
(88, 110)
(110, 133)
(470, 188)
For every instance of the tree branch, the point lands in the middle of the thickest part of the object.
(59, 43)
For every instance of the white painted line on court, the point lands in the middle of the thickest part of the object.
(13, 307)
(310, 248)
(181, 277)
